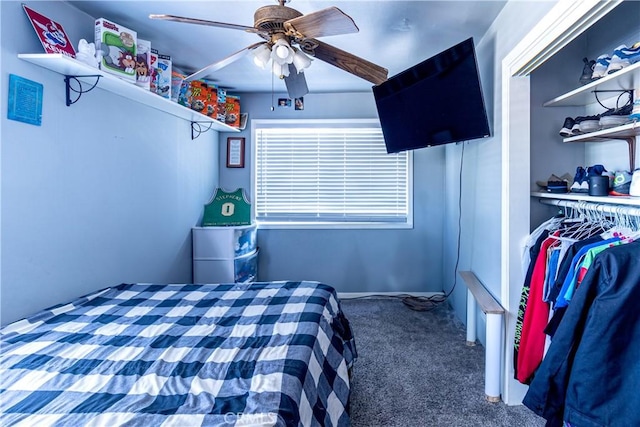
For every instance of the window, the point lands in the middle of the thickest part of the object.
(327, 173)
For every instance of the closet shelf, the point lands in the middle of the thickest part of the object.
(630, 130)
(626, 79)
(608, 200)
(627, 133)
(85, 73)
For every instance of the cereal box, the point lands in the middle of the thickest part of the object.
(202, 98)
(163, 76)
(184, 97)
(212, 107)
(116, 48)
(154, 63)
(222, 107)
(177, 79)
(143, 64)
(232, 107)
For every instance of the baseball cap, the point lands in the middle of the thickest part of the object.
(621, 184)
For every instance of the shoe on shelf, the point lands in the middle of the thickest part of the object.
(621, 184)
(635, 111)
(623, 56)
(595, 170)
(600, 69)
(556, 184)
(587, 71)
(587, 124)
(580, 183)
(567, 127)
(616, 116)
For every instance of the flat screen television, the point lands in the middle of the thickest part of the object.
(435, 102)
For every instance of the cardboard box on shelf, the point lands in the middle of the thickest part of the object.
(177, 79)
(232, 107)
(153, 83)
(143, 64)
(163, 76)
(116, 48)
(222, 107)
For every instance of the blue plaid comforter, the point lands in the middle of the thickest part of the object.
(269, 353)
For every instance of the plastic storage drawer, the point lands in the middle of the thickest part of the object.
(223, 242)
(242, 269)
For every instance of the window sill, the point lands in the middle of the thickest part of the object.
(332, 225)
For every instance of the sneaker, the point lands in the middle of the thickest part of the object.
(615, 117)
(595, 170)
(587, 71)
(623, 56)
(600, 69)
(635, 112)
(580, 183)
(621, 184)
(567, 127)
(588, 124)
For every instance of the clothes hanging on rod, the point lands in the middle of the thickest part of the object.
(588, 374)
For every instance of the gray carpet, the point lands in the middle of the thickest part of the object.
(414, 369)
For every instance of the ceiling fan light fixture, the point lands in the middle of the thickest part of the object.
(282, 52)
(301, 61)
(261, 56)
(280, 70)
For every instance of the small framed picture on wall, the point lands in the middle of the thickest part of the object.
(235, 152)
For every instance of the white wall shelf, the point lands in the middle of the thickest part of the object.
(607, 200)
(86, 74)
(626, 79)
(630, 130)
(627, 133)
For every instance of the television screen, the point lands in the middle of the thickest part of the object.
(437, 101)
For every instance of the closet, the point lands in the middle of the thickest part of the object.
(557, 79)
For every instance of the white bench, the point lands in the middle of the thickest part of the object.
(477, 295)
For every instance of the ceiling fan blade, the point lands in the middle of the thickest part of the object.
(212, 68)
(326, 22)
(350, 63)
(205, 22)
(296, 83)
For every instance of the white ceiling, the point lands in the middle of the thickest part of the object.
(393, 34)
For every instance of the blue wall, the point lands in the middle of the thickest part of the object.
(105, 191)
(362, 260)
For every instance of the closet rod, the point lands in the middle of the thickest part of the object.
(594, 206)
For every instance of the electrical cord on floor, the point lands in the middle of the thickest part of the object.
(418, 303)
(424, 303)
(429, 303)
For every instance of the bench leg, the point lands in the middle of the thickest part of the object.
(471, 318)
(492, 357)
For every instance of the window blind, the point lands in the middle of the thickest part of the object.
(329, 174)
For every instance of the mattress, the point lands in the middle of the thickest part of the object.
(265, 353)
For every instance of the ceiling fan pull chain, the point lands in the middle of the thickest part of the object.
(272, 106)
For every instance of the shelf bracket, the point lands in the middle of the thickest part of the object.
(620, 91)
(632, 152)
(81, 90)
(197, 128)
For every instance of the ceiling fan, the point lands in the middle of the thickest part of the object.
(289, 37)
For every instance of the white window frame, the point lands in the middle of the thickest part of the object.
(261, 123)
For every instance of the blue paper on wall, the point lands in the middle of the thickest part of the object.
(25, 100)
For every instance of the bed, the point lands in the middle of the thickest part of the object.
(259, 354)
